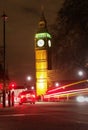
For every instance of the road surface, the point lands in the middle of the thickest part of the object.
(45, 116)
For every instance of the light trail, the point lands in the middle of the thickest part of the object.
(71, 92)
(68, 85)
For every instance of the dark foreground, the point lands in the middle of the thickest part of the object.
(45, 116)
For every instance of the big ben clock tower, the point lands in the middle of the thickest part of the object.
(42, 57)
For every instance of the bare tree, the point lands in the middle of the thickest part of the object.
(70, 35)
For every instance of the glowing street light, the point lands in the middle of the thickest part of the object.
(32, 87)
(57, 84)
(80, 73)
(29, 78)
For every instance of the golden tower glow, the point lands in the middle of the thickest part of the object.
(42, 43)
(41, 71)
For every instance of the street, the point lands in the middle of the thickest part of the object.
(45, 116)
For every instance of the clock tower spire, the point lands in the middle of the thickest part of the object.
(42, 26)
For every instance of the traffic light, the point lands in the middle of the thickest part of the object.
(1, 86)
(12, 85)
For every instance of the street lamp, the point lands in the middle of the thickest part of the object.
(4, 17)
(80, 73)
(57, 84)
(32, 87)
(29, 78)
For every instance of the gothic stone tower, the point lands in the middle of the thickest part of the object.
(42, 57)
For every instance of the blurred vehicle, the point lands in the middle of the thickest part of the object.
(82, 99)
(28, 96)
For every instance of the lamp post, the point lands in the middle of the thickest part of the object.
(29, 78)
(4, 17)
(80, 73)
(57, 84)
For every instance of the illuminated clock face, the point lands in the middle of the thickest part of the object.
(40, 42)
(49, 43)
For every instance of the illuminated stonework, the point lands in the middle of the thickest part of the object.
(41, 71)
(42, 35)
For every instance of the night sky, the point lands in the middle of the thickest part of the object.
(21, 26)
